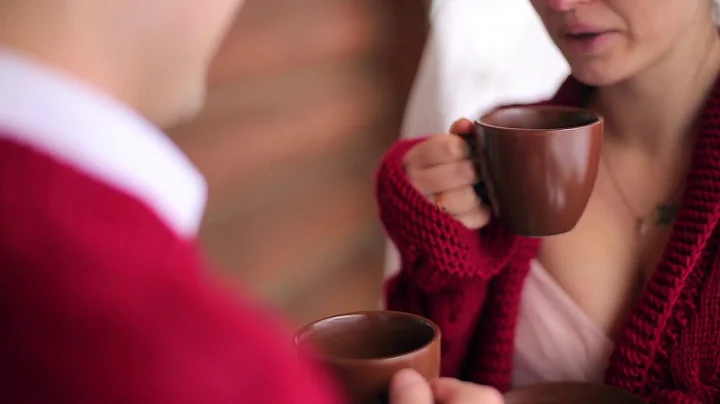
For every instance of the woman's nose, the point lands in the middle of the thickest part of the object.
(565, 5)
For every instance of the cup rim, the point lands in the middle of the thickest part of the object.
(599, 119)
(436, 336)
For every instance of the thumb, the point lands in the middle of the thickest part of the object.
(409, 387)
(462, 127)
(453, 391)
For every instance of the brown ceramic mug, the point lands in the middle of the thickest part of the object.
(538, 165)
(365, 349)
(570, 393)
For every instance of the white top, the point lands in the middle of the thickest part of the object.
(74, 122)
(480, 54)
(555, 340)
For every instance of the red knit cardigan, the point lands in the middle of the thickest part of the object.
(470, 282)
(102, 303)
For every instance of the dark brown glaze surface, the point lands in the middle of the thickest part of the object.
(365, 349)
(539, 165)
(570, 393)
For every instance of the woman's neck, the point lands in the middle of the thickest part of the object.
(657, 109)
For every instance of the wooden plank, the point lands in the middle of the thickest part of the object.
(338, 30)
(304, 97)
(317, 169)
(252, 97)
(355, 285)
(281, 245)
(231, 152)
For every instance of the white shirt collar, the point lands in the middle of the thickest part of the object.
(81, 126)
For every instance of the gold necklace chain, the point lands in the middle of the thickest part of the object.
(663, 215)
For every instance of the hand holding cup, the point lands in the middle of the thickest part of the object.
(538, 165)
(442, 169)
(408, 387)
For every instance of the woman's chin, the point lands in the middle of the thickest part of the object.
(594, 77)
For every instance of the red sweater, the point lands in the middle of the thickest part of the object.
(101, 303)
(470, 282)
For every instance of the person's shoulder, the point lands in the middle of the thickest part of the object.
(77, 252)
(36, 180)
(275, 373)
(51, 207)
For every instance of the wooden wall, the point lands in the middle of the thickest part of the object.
(305, 96)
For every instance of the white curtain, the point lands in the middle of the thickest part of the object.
(480, 54)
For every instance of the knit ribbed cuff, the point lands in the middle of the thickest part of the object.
(437, 248)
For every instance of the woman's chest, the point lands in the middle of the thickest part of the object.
(669, 339)
(606, 260)
(661, 317)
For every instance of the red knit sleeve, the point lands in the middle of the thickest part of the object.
(445, 267)
(677, 397)
(437, 251)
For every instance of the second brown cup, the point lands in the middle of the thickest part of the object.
(570, 393)
(538, 165)
(365, 349)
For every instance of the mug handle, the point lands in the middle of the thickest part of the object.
(479, 187)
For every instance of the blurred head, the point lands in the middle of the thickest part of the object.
(609, 41)
(174, 43)
(152, 54)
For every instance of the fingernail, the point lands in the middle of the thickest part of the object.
(405, 378)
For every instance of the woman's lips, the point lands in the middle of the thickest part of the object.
(587, 42)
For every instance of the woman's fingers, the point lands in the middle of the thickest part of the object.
(443, 177)
(476, 219)
(464, 205)
(462, 127)
(442, 170)
(409, 387)
(452, 391)
(435, 151)
(457, 202)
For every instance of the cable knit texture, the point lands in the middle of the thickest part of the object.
(101, 303)
(470, 282)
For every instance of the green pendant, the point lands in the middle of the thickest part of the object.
(666, 214)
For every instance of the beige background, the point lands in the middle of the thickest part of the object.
(305, 96)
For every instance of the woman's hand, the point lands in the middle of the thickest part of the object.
(441, 169)
(453, 391)
(408, 387)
